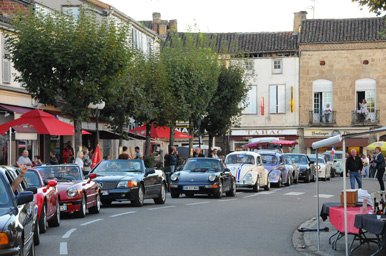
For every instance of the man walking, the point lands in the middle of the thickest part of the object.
(124, 155)
(138, 153)
(379, 161)
(354, 167)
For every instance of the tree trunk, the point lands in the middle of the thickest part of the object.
(191, 133)
(120, 143)
(172, 134)
(147, 144)
(78, 135)
(210, 143)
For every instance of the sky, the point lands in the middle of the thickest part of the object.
(238, 15)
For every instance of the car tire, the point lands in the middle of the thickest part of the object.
(138, 201)
(256, 187)
(296, 181)
(332, 173)
(96, 208)
(55, 222)
(288, 183)
(36, 234)
(161, 199)
(232, 191)
(280, 182)
(219, 192)
(43, 224)
(174, 194)
(83, 207)
(106, 201)
(268, 186)
(307, 178)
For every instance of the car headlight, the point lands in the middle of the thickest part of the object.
(318, 167)
(212, 177)
(126, 184)
(174, 177)
(248, 176)
(273, 175)
(71, 192)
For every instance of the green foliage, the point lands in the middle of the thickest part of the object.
(375, 6)
(149, 161)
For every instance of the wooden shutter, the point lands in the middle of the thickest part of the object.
(6, 63)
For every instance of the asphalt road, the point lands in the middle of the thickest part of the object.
(247, 224)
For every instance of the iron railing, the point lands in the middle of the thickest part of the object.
(322, 119)
(365, 118)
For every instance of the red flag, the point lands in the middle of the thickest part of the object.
(96, 157)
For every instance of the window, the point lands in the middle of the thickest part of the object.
(6, 63)
(71, 10)
(365, 89)
(322, 97)
(276, 99)
(277, 67)
(251, 106)
(248, 65)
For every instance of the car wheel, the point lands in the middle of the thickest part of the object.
(43, 224)
(256, 187)
(161, 199)
(288, 183)
(307, 178)
(219, 192)
(332, 173)
(268, 186)
(82, 212)
(232, 192)
(106, 202)
(296, 181)
(36, 234)
(313, 178)
(138, 202)
(55, 222)
(96, 208)
(280, 182)
(174, 194)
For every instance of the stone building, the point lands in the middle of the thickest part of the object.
(159, 26)
(342, 62)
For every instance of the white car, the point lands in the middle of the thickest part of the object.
(324, 170)
(248, 169)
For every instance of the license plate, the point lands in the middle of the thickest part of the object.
(63, 208)
(191, 188)
(105, 193)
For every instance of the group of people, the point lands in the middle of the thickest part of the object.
(125, 155)
(355, 166)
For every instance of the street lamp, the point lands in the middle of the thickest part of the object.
(97, 108)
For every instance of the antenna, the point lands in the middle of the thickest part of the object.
(312, 7)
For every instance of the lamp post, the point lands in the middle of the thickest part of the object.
(97, 108)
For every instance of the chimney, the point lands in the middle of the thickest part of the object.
(172, 26)
(298, 18)
(162, 29)
(156, 17)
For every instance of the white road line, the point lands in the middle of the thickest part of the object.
(120, 214)
(63, 248)
(251, 195)
(268, 193)
(227, 200)
(90, 222)
(157, 208)
(68, 233)
(325, 196)
(197, 203)
(294, 193)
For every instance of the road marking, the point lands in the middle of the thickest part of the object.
(157, 208)
(251, 195)
(198, 203)
(268, 193)
(90, 222)
(68, 233)
(120, 214)
(294, 193)
(325, 196)
(227, 200)
(63, 248)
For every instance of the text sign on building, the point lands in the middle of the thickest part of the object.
(263, 132)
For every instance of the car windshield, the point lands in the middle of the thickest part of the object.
(338, 156)
(328, 157)
(5, 199)
(288, 160)
(269, 159)
(320, 160)
(121, 166)
(202, 165)
(300, 159)
(32, 178)
(61, 173)
(240, 159)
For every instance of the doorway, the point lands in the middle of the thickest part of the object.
(360, 97)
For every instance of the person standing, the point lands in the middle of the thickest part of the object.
(366, 166)
(138, 153)
(214, 154)
(354, 167)
(86, 160)
(327, 112)
(66, 156)
(124, 155)
(379, 161)
(90, 152)
(70, 152)
(172, 158)
(79, 160)
(24, 159)
(53, 159)
(371, 165)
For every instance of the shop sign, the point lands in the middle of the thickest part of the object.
(264, 132)
(315, 133)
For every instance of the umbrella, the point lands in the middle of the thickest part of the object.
(381, 144)
(42, 122)
(284, 142)
(96, 157)
(160, 132)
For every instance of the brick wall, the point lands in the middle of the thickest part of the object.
(9, 7)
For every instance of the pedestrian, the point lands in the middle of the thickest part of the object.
(379, 161)
(53, 159)
(124, 155)
(214, 154)
(371, 165)
(24, 159)
(354, 166)
(79, 160)
(36, 161)
(138, 153)
(90, 152)
(172, 158)
(70, 152)
(366, 166)
(66, 155)
(198, 153)
(86, 160)
(327, 112)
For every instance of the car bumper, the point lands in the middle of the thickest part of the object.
(245, 184)
(70, 206)
(303, 174)
(119, 194)
(10, 251)
(201, 188)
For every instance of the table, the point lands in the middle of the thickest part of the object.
(337, 218)
(325, 212)
(371, 224)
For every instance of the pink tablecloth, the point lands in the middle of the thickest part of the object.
(336, 216)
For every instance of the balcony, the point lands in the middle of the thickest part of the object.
(367, 118)
(317, 119)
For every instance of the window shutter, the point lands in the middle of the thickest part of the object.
(281, 99)
(6, 64)
(272, 99)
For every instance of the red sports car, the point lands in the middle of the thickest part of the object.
(47, 200)
(77, 194)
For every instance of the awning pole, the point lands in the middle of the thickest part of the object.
(345, 195)
(10, 147)
(317, 197)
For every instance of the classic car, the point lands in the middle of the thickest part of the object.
(76, 194)
(202, 176)
(279, 173)
(248, 169)
(19, 227)
(122, 180)
(46, 198)
(329, 159)
(324, 171)
(338, 159)
(290, 163)
(306, 167)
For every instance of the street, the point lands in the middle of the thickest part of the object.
(248, 224)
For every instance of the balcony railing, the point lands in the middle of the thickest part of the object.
(365, 118)
(323, 119)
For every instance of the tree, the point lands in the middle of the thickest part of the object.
(375, 6)
(69, 62)
(227, 103)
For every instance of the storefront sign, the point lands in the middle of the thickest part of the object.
(321, 133)
(264, 132)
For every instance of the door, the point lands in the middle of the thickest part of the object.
(227, 178)
(370, 99)
(360, 97)
(317, 117)
(261, 171)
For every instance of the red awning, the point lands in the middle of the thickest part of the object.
(19, 110)
(350, 142)
(159, 132)
(284, 142)
(42, 122)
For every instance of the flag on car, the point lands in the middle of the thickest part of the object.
(333, 150)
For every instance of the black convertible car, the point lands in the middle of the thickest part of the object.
(18, 217)
(202, 176)
(306, 167)
(122, 180)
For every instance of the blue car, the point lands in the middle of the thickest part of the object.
(279, 173)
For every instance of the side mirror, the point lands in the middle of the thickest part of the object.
(92, 176)
(227, 170)
(24, 197)
(52, 183)
(34, 190)
(149, 171)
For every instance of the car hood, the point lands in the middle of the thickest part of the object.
(63, 185)
(303, 167)
(118, 177)
(195, 176)
(269, 167)
(5, 216)
(240, 170)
